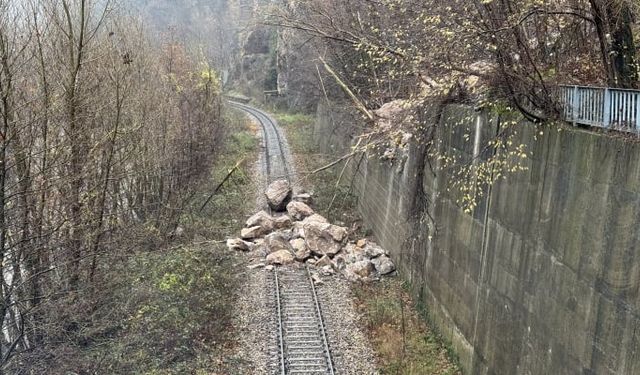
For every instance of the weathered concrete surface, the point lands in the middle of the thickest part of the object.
(544, 278)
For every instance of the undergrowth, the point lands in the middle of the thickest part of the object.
(168, 310)
(337, 202)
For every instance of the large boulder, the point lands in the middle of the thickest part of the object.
(263, 220)
(278, 195)
(299, 210)
(383, 265)
(281, 257)
(320, 239)
(276, 242)
(237, 244)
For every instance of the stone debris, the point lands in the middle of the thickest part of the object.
(263, 220)
(360, 269)
(278, 195)
(305, 198)
(299, 210)
(301, 236)
(277, 241)
(282, 222)
(281, 258)
(383, 265)
(320, 239)
(315, 218)
(251, 233)
(237, 244)
(374, 251)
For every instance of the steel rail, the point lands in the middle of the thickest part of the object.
(266, 121)
(280, 333)
(308, 345)
(322, 325)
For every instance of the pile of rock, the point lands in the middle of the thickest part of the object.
(299, 235)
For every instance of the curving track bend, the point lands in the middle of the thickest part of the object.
(302, 347)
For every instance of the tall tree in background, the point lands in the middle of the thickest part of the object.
(614, 21)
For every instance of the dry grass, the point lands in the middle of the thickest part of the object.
(404, 343)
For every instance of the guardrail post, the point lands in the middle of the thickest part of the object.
(606, 111)
(574, 106)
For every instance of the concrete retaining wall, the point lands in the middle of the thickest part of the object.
(544, 277)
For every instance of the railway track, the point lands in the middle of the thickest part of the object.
(275, 150)
(301, 334)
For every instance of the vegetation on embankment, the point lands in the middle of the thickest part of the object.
(166, 310)
(403, 341)
(332, 200)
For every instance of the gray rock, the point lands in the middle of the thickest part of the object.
(282, 222)
(287, 234)
(315, 218)
(298, 230)
(383, 265)
(299, 210)
(298, 244)
(338, 233)
(277, 242)
(319, 239)
(305, 198)
(324, 261)
(262, 220)
(372, 250)
(282, 257)
(362, 269)
(327, 271)
(236, 244)
(278, 195)
(251, 233)
(254, 266)
(300, 250)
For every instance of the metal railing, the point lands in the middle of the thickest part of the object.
(602, 107)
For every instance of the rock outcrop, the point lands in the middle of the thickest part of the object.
(278, 195)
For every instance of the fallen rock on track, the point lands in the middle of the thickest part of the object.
(304, 237)
(276, 242)
(278, 195)
(281, 257)
(321, 239)
(263, 220)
